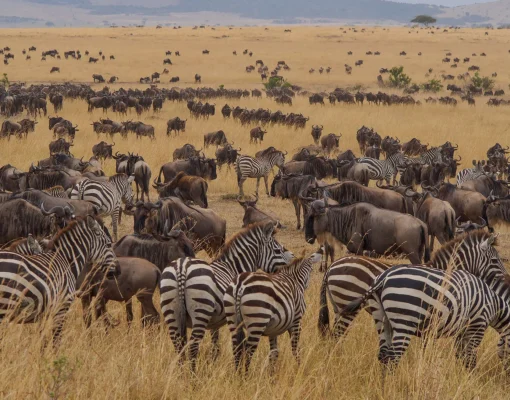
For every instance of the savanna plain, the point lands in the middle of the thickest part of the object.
(138, 363)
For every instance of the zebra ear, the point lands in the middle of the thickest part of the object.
(487, 243)
(131, 178)
(93, 225)
(35, 247)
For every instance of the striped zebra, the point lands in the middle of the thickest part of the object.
(470, 174)
(57, 191)
(267, 305)
(106, 196)
(193, 289)
(27, 246)
(35, 286)
(411, 301)
(348, 278)
(431, 156)
(249, 167)
(385, 169)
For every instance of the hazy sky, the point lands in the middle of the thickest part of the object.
(449, 3)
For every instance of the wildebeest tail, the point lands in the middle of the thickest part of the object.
(203, 194)
(424, 244)
(159, 175)
(146, 178)
(323, 323)
(449, 220)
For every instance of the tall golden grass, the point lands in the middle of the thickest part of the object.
(137, 363)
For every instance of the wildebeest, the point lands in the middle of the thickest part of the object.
(313, 165)
(144, 130)
(203, 227)
(174, 79)
(486, 185)
(317, 132)
(217, 138)
(138, 278)
(102, 150)
(257, 134)
(413, 147)
(330, 142)
(226, 155)
(186, 187)
(364, 227)
(198, 166)
(55, 69)
(185, 152)
(98, 78)
(468, 205)
(7, 175)
(175, 124)
(253, 215)
(296, 188)
(198, 78)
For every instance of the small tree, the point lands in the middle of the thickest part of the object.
(483, 82)
(4, 82)
(398, 78)
(424, 19)
(434, 85)
(276, 81)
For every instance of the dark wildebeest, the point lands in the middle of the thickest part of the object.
(102, 150)
(354, 171)
(317, 132)
(257, 134)
(185, 152)
(138, 278)
(186, 187)
(217, 138)
(468, 205)
(497, 211)
(204, 227)
(439, 216)
(253, 215)
(175, 124)
(364, 227)
(317, 166)
(98, 78)
(198, 78)
(140, 169)
(330, 142)
(296, 188)
(7, 178)
(167, 61)
(226, 111)
(487, 186)
(347, 193)
(414, 147)
(226, 155)
(174, 79)
(145, 130)
(159, 249)
(198, 166)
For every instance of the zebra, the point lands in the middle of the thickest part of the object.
(193, 289)
(106, 196)
(470, 174)
(279, 307)
(348, 278)
(385, 169)
(431, 156)
(57, 191)
(35, 286)
(27, 246)
(411, 301)
(249, 167)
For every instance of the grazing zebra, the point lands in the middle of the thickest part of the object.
(267, 305)
(431, 156)
(57, 191)
(385, 169)
(34, 286)
(249, 167)
(193, 289)
(106, 196)
(412, 301)
(348, 278)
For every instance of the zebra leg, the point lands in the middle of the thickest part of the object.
(240, 184)
(342, 323)
(265, 183)
(399, 346)
(466, 344)
(215, 337)
(252, 343)
(115, 218)
(258, 184)
(295, 333)
(59, 320)
(87, 312)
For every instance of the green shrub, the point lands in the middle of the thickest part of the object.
(434, 85)
(4, 81)
(483, 82)
(276, 81)
(398, 79)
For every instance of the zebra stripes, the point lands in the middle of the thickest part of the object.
(249, 167)
(267, 305)
(468, 174)
(106, 196)
(384, 169)
(416, 300)
(34, 286)
(348, 278)
(431, 156)
(57, 191)
(193, 289)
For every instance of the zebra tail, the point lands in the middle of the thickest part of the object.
(356, 305)
(180, 314)
(238, 170)
(323, 323)
(240, 336)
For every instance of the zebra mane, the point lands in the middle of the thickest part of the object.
(241, 234)
(470, 237)
(293, 265)
(70, 226)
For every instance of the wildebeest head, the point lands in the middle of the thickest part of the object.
(468, 226)
(143, 211)
(208, 168)
(316, 220)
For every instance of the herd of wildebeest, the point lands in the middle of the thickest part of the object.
(47, 206)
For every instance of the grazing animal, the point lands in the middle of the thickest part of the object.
(279, 308)
(192, 289)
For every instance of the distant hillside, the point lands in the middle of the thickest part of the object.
(186, 12)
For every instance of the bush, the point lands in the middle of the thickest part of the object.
(483, 82)
(424, 19)
(398, 78)
(4, 82)
(276, 81)
(434, 85)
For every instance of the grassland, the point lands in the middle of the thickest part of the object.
(136, 363)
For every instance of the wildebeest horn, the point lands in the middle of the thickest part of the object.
(286, 152)
(378, 184)
(322, 126)
(484, 224)
(53, 210)
(460, 158)
(456, 146)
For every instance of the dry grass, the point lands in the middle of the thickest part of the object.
(141, 364)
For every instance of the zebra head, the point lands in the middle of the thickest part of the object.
(100, 252)
(272, 254)
(127, 193)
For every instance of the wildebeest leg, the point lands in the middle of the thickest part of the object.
(215, 338)
(297, 208)
(265, 183)
(149, 313)
(129, 311)
(431, 243)
(137, 193)
(87, 312)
